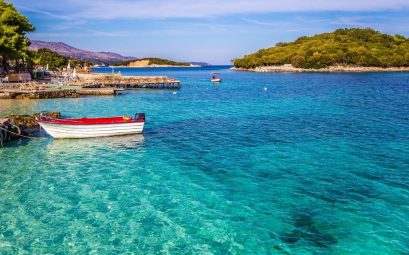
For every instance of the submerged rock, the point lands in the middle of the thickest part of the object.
(306, 230)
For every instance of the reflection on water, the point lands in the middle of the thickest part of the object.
(114, 143)
(8, 107)
(317, 164)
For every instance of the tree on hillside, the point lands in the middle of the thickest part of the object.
(13, 28)
(54, 61)
(45, 57)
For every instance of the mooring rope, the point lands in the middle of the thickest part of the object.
(1, 139)
(13, 133)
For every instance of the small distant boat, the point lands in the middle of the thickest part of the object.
(215, 77)
(92, 127)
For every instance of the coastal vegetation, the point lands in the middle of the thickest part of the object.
(153, 61)
(13, 28)
(15, 51)
(14, 45)
(55, 61)
(344, 47)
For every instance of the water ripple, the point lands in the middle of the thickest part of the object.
(317, 164)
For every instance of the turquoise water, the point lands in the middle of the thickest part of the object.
(259, 164)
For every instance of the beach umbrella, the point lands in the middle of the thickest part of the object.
(74, 73)
(46, 68)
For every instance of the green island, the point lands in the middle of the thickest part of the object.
(151, 62)
(353, 47)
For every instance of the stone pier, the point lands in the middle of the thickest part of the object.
(49, 94)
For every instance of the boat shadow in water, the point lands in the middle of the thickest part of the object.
(114, 143)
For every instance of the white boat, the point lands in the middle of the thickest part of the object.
(93, 127)
(215, 77)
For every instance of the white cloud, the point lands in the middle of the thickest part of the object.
(136, 9)
(82, 33)
(43, 12)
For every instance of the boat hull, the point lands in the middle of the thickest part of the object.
(89, 131)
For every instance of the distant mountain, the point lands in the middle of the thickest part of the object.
(69, 51)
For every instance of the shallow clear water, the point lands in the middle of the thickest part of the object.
(259, 164)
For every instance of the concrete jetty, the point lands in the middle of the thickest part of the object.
(85, 85)
(37, 94)
(98, 92)
(49, 94)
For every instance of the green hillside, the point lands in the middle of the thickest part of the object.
(54, 60)
(348, 47)
(155, 61)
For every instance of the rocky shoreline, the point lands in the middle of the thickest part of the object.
(14, 127)
(331, 69)
(52, 94)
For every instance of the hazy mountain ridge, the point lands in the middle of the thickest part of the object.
(85, 55)
(70, 51)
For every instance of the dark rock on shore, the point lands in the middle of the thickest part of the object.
(17, 126)
(30, 120)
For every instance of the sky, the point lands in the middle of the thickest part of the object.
(213, 31)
